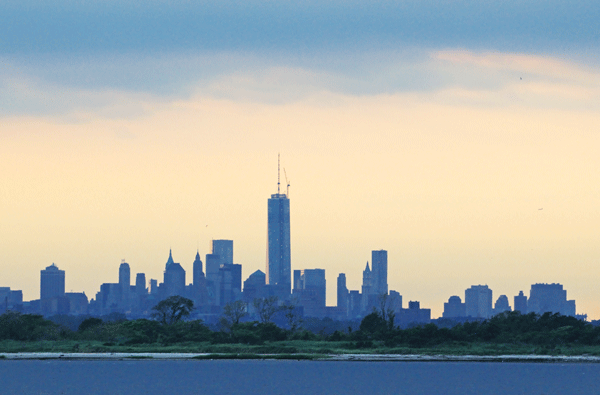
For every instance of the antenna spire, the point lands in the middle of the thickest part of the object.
(278, 174)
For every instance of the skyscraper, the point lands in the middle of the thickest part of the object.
(278, 243)
(379, 260)
(124, 282)
(224, 249)
(52, 282)
(478, 301)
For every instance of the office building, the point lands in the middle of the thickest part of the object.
(255, 286)
(278, 244)
(478, 301)
(454, 308)
(125, 283)
(174, 279)
(379, 260)
(224, 249)
(521, 303)
(342, 294)
(52, 282)
(550, 298)
(310, 290)
(501, 305)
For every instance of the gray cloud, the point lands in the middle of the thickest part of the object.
(56, 57)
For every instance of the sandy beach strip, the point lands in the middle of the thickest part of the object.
(330, 357)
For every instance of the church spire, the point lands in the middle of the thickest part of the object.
(367, 268)
(170, 261)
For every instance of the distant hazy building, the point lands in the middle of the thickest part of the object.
(370, 297)
(254, 286)
(454, 308)
(501, 305)
(342, 294)
(521, 303)
(199, 289)
(78, 303)
(395, 301)
(198, 277)
(550, 298)
(174, 279)
(413, 315)
(140, 284)
(224, 249)
(310, 290)
(10, 299)
(125, 283)
(355, 304)
(213, 264)
(278, 244)
(379, 260)
(478, 301)
(52, 282)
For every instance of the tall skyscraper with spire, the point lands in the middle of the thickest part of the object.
(279, 275)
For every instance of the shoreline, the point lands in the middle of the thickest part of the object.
(323, 357)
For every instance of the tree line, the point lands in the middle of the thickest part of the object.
(170, 324)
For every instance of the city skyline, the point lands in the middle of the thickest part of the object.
(460, 137)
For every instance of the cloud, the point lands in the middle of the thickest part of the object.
(131, 85)
(110, 26)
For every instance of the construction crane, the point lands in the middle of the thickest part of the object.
(287, 192)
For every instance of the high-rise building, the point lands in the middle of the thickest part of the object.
(478, 301)
(198, 278)
(174, 278)
(550, 298)
(342, 293)
(370, 297)
(310, 289)
(254, 286)
(379, 261)
(521, 303)
(140, 284)
(454, 308)
(224, 249)
(124, 283)
(52, 282)
(278, 244)
(501, 305)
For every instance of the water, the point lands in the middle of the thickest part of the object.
(295, 377)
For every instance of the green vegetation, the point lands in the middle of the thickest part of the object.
(507, 333)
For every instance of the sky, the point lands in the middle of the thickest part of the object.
(460, 136)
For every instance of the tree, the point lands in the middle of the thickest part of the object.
(266, 308)
(172, 310)
(233, 312)
(386, 310)
(294, 320)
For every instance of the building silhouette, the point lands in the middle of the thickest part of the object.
(370, 297)
(478, 301)
(224, 249)
(310, 291)
(52, 282)
(52, 291)
(521, 303)
(379, 260)
(550, 298)
(125, 284)
(10, 300)
(173, 279)
(454, 308)
(255, 286)
(413, 315)
(501, 305)
(278, 244)
(342, 294)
